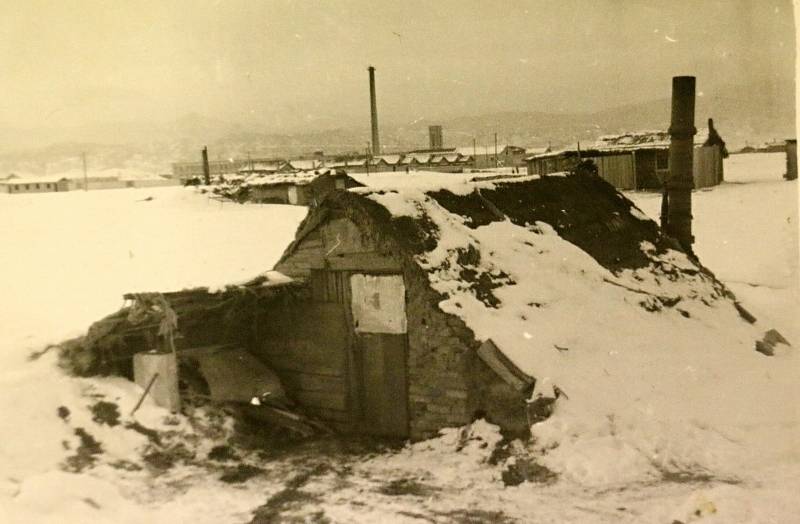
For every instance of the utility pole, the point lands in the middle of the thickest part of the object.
(496, 164)
(206, 168)
(368, 157)
(474, 153)
(85, 176)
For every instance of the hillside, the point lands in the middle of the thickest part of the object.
(754, 113)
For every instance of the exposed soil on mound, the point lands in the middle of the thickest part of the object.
(584, 210)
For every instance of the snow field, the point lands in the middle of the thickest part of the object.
(688, 428)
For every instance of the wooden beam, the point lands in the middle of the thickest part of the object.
(363, 263)
(322, 400)
(500, 364)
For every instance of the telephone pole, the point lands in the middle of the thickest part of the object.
(368, 157)
(85, 176)
(474, 153)
(496, 163)
(206, 169)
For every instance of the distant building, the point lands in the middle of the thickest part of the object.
(638, 160)
(263, 168)
(188, 170)
(15, 185)
(489, 157)
(436, 138)
(98, 182)
(45, 184)
(306, 188)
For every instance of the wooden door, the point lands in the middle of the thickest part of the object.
(379, 321)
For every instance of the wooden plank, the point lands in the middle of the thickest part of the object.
(282, 364)
(310, 248)
(306, 337)
(312, 382)
(384, 382)
(305, 351)
(364, 262)
(325, 414)
(342, 235)
(326, 400)
(500, 364)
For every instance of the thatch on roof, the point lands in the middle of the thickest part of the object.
(204, 318)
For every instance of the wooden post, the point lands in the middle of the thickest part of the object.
(206, 169)
(677, 208)
(144, 394)
(496, 163)
(791, 159)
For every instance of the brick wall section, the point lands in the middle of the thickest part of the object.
(438, 361)
(448, 383)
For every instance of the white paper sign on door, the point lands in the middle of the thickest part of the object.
(378, 303)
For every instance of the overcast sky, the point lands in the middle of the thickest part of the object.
(287, 62)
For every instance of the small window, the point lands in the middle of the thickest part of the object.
(37, 186)
(27, 186)
(662, 160)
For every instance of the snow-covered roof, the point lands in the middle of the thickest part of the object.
(536, 150)
(298, 179)
(567, 278)
(305, 165)
(264, 167)
(644, 139)
(466, 150)
(427, 180)
(452, 157)
(32, 180)
(389, 159)
(626, 142)
(421, 158)
(480, 149)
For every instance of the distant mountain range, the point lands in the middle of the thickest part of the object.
(742, 115)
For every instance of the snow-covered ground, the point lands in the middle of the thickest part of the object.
(746, 231)
(65, 261)
(67, 258)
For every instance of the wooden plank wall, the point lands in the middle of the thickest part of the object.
(707, 166)
(309, 254)
(617, 170)
(337, 245)
(306, 344)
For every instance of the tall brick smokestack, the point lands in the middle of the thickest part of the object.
(677, 221)
(373, 106)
